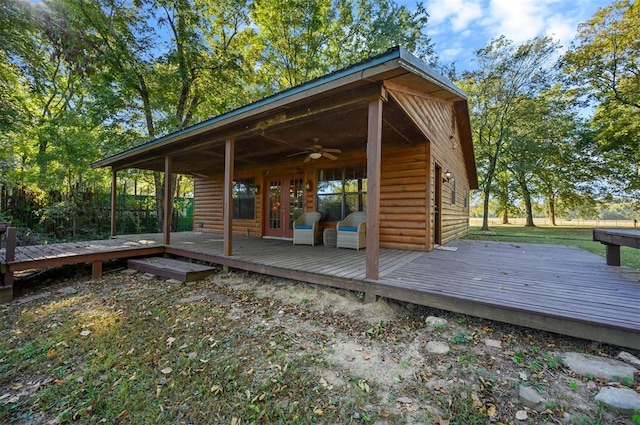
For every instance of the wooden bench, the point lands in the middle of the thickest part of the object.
(613, 239)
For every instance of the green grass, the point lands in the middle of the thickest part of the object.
(579, 237)
(122, 354)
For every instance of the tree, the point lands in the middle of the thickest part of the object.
(604, 64)
(507, 75)
(140, 61)
(298, 40)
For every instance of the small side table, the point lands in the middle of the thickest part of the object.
(329, 237)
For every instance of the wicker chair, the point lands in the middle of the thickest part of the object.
(306, 230)
(352, 231)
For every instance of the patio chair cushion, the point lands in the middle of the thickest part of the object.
(348, 228)
(302, 226)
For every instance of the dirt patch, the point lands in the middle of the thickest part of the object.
(285, 349)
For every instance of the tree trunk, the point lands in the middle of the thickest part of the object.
(526, 195)
(485, 208)
(552, 208)
(504, 199)
(487, 192)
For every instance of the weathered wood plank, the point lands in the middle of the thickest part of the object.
(171, 268)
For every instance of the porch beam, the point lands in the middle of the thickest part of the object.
(374, 148)
(168, 198)
(114, 198)
(229, 153)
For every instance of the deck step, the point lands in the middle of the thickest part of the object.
(171, 268)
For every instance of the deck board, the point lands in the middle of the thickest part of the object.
(550, 287)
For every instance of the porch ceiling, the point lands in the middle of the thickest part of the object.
(343, 127)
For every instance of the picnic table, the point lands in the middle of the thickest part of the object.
(613, 239)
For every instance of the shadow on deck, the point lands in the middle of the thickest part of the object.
(548, 287)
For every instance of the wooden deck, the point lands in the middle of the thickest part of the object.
(549, 287)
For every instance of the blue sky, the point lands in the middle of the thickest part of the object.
(459, 27)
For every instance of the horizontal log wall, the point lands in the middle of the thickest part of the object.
(436, 119)
(403, 202)
(207, 209)
(403, 196)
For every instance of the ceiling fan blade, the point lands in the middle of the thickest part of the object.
(332, 150)
(297, 153)
(329, 155)
(307, 159)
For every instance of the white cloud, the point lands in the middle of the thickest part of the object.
(562, 29)
(459, 27)
(517, 20)
(459, 13)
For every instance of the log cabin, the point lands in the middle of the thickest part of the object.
(388, 136)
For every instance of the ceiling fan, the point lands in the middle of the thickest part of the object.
(316, 151)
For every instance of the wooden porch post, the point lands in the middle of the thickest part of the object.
(114, 197)
(228, 200)
(374, 147)
(168, 199)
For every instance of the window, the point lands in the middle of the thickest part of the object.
(341, 191)
(244, 199)
(453, 191)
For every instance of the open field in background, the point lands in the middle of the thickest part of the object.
(569, 234)
(497, 221)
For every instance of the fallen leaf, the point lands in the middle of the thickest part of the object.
(216, 389)
(350, 358)
(51, 352)
(477, 403)
(491, 411)
(15, 385)
(170, 341)
(362, 384)
(443, 421)
(318, 411)
(166, 370)
(85, 333)
(366, 355)
(522, 415)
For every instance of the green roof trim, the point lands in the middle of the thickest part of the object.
(406, 60)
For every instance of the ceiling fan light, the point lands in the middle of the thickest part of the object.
(315, 155)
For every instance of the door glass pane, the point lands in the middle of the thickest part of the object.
(275, 206)
(296, 200)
